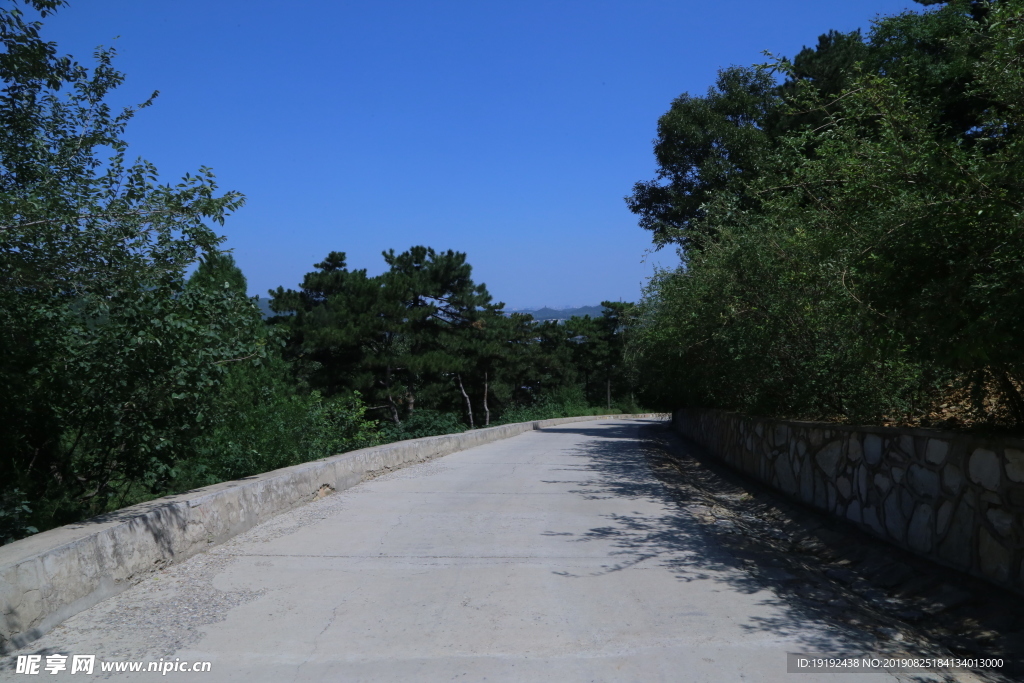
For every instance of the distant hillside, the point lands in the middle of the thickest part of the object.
(564, 314)
(537, 313)
(264, 305)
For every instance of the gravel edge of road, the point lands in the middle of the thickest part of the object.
(836, 571)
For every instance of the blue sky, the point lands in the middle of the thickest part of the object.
(507, 130)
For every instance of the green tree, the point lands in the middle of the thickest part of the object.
(483, 350)
(589, 351)
(597, 349)
(512, 371)
(216, 271)
(438, 302)
(706, 146)
(828, 68)
(613, 326)
(395, 337)
(879, 263)
(334, 326)
(107, 358)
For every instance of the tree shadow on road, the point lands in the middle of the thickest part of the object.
(716, 525)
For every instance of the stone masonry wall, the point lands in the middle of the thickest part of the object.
(954, 498)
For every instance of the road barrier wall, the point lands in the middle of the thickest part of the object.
(48, 577)
(954, 498)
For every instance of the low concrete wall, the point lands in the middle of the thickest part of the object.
(48, 577)
(954, 498)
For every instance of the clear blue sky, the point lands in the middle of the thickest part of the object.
(507, 130)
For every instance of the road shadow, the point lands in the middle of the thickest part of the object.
(714, 524)
(608, 429)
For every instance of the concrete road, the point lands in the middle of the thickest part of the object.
(551, 556)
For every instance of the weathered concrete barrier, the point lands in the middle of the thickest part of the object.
(954, 498)
(46, 578)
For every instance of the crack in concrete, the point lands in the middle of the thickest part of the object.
(316, 641)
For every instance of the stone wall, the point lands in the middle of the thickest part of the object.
(954, 498)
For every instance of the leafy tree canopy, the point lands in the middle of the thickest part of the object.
(868, 267)
(107, 360)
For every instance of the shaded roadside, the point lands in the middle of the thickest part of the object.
(831, 571)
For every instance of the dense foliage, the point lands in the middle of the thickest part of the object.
(106, 359)
(423, 336)
(851, 239)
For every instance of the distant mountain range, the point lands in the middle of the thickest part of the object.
(537, 313)
(264, 305)
(563, 314)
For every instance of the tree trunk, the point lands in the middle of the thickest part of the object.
(487, 411)
(391, 401)
(608, 387)
(1013, 397)
(469, 406)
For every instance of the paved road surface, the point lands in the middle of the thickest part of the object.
(551, 556)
